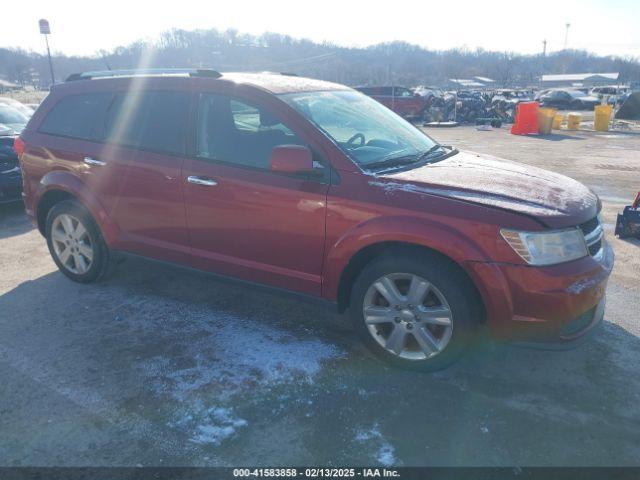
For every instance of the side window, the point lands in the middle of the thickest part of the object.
(249, 119)
(152, 120)
(77, 116)
(233, 131)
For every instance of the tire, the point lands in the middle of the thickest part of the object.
(447, 288)
(75, 242)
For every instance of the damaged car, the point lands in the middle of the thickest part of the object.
(315, 189)
(568, 99)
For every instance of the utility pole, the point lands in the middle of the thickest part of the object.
(544, 56)
(566, 34)
(46, 31)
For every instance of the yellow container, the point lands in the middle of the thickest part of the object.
(573, 121)
(557, 121)
(602, 117)
(545, 120)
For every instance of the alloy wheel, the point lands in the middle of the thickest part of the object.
(408, 316)
(72, 243)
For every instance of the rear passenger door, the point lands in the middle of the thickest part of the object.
(72, 139)
(244, 220)
(144, 139)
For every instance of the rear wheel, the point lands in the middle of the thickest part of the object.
(75, 242)
(415, 311)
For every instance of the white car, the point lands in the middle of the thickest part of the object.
(21, 107)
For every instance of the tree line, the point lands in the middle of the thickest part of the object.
(386, 63)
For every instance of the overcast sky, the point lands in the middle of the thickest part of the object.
(84, 27)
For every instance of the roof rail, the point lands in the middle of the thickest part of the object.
(192, 72)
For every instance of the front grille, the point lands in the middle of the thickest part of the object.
(594, 248)
(593, 236)
(590, 226)
(9, 167)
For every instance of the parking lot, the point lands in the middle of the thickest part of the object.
(160, 366)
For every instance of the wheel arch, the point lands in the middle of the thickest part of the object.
(367, 254)
(60, 185)
(47, 202)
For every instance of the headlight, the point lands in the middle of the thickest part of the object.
(547, 248)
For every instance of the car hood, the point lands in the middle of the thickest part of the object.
(554, 200)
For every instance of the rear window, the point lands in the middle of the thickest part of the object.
(76, 116)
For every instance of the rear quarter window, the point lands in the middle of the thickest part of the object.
(77, 116)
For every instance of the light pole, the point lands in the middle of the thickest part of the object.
(566, 34)
(544, 56)
(46, 30)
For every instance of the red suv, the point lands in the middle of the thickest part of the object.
(401, 100)
(314, 188)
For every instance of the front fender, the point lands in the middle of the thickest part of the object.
(66, 181)
(399, 229)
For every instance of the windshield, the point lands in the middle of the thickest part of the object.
(576, 93)
(11, 115)
(366, 131)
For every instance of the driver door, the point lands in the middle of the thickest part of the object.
(244, 220)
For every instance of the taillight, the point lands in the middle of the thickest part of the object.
(18, 146)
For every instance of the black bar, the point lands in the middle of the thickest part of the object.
(404, 473)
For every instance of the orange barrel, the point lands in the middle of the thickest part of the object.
(526, 121)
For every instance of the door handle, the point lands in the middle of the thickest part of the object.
(94, 162)
(207, 182)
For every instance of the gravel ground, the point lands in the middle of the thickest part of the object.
(159, 366)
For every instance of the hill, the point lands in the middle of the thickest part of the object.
(397, 62)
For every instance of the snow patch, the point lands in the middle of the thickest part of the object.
(211, 357)
(218, 349)
(209, 426)
(221, 425)
(384, 451)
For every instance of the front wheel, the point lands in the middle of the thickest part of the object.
(75, 242)
(415, 311)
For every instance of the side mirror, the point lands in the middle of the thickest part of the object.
(291, 159)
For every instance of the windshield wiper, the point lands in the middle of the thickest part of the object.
(428, 153)
(391, 162)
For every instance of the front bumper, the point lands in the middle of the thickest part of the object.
(574, 333)
(556, 305)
